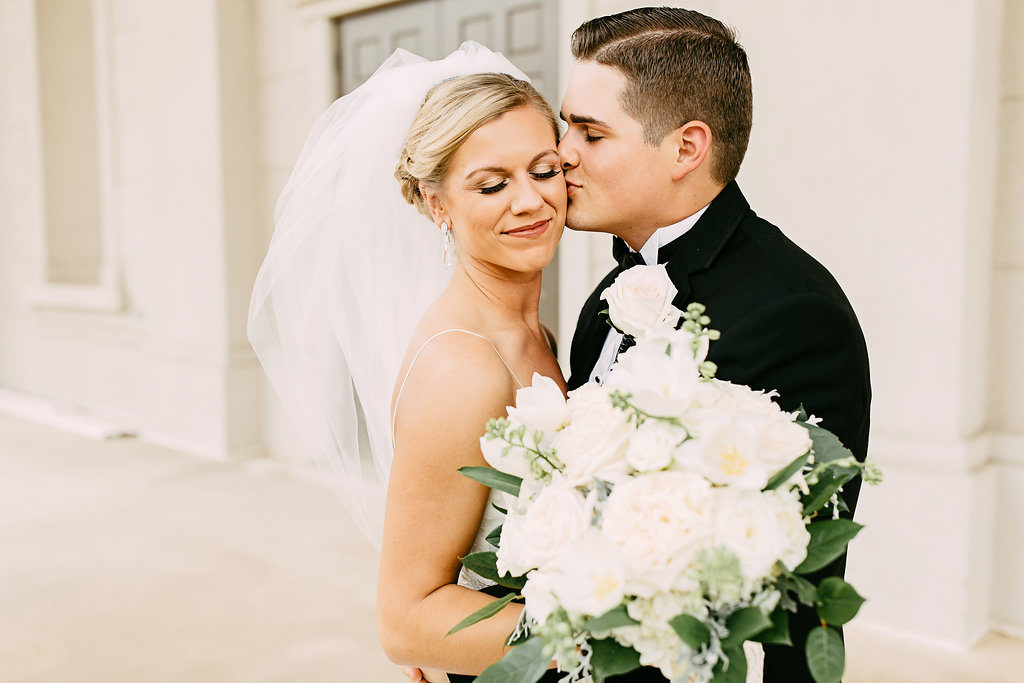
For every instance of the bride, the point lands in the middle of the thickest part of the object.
(334, 321)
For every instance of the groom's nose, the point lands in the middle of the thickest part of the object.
(567, 153)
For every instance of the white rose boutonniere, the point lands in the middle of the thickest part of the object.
(640, 300)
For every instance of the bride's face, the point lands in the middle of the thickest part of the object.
(504, 195)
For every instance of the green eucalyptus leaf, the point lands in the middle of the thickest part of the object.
(691, 630)
(485, 564)
(838, 601)
(524, 663)
(611, 659)
(826, 655)
(496, 479)
(485, 612)
(828, 483)
(804, 590)
(615, 617)
(744, 624)
(828, 541)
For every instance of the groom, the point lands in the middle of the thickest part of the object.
(659, 110)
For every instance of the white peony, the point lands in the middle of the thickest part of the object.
(533, 538)
(746, 524)
(588, 576)
(588, 398)
(652, 444)
(640, 300)
(660, 384)
(728, 451)
(660, 521)
(540, 406)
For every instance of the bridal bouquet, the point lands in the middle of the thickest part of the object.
(664, 517)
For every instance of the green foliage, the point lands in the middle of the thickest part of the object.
(778, 632)
(485, 564)
(735, 671)
(828, 541)
(524, 663)
(784, 474)
(691, 631)
(826, 656)
(494, 538)
(488, 476)
(838, 602)
(617, 616)
(611, 659)
(485, 612)
(744, 624)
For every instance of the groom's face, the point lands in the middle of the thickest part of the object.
(616, 181)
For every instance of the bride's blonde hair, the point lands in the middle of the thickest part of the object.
(451, 112)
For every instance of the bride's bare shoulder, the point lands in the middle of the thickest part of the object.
(455, 365)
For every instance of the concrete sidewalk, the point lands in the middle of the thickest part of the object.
(123, 561)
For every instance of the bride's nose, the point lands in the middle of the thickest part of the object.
(525, 198)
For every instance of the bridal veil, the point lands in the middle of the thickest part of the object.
(350, 269)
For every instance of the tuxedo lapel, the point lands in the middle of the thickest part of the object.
(696, 249)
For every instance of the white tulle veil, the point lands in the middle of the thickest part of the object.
(350, 270)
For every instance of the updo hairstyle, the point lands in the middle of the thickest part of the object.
(452, 110)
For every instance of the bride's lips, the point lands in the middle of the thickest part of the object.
(532, 230)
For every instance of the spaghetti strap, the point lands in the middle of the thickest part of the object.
(417, 355)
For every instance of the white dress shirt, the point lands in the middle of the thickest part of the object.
(649, 253)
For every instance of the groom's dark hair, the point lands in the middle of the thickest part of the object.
(680, 66)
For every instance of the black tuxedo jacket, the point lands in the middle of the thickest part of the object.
(785, 324)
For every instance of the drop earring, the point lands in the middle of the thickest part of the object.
(448, 251)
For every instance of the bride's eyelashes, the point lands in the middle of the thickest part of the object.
(539, 175)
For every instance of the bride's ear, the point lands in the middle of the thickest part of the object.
(689, 144)
(435, 206)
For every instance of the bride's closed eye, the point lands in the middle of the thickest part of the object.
(539, 175)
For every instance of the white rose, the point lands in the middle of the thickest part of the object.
(784, 440)
(588, 398)
(660, 384)
(594, 444)
(789, 515)
(540, 406)
(540, 600)
(588, 576)
(660, 521)
(640, 299)
(559, 515)
(652, 444)
(747, 524)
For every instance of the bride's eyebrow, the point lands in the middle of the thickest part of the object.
(499, 169)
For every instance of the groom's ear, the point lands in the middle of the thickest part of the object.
(690, 143)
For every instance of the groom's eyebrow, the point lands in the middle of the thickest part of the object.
(586, 120)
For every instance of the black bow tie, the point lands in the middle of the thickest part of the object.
(626, 257)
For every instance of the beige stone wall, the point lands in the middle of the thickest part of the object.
(1006, 400)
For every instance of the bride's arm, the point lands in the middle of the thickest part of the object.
(433, 512)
